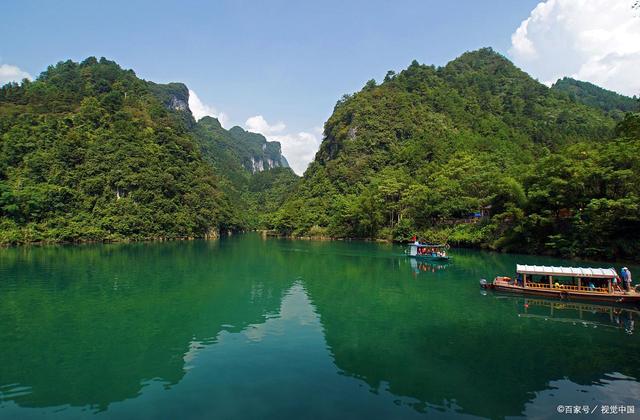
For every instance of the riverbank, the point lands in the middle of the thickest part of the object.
(31, 237)
(470, 246)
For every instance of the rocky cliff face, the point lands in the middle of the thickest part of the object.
(258, 153)
(174, 96)
(237, 150)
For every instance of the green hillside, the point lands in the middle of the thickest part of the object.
(430, 147)
(612, 103)
(476, 153)
(252, 168)
(90, 152)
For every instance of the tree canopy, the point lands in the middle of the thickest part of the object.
(476, 153)
(88, 151)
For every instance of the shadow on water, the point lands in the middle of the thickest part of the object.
(270, 324)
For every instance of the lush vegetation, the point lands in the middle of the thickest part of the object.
(614, 104)
(91, 152)
(476, 153)
(267, 192)
(257, 178)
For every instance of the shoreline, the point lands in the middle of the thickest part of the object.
(265, 233)
(271, 234)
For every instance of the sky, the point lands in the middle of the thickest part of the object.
(278, 67)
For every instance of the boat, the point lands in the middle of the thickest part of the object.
(572, 283)
(428, 252)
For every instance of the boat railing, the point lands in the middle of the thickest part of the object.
(567, 287)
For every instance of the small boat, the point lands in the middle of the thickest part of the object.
(428, 252)
(573, 283)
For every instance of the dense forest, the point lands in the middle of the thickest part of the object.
(91, 152)
(474, 153)
(614, 104)
(251, 169)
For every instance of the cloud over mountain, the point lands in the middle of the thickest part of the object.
(299, 147)
(200, 109)
(593, 40)
(11, 73)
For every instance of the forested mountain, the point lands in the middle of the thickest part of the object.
(91, 152)
(612, 103)
(253, 169)
(236, 146)
(475, 153)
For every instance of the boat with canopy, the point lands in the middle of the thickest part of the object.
(429, 252)
(590, 284)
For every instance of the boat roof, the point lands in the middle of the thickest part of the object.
(566, 271)
(431, 245)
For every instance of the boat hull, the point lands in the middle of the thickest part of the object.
(621, 298)
(430, 258)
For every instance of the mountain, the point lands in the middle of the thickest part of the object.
(612, 103)
(476, 153)
(91, 152)
(257, 154)
(251, 150)
(253, 168)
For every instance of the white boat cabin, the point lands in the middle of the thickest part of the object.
(578, 278)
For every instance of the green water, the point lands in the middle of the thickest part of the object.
(251, 328)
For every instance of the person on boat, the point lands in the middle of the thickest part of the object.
(626, 278)
(592, 286)
(614, 284)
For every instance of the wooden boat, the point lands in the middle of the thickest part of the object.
(574, 283)
(428, 252)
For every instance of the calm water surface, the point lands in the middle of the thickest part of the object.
(252, 328)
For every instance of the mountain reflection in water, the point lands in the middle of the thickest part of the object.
(246, 327)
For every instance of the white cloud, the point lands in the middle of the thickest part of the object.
(200, 109)
(10, 73)
(593, 40)
(258, 124)
(299, 148)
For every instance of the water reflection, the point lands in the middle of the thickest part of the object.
(88, 326)
(582, 314)
(249, 328)
(419, 267)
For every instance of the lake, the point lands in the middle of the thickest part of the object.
(246, 327)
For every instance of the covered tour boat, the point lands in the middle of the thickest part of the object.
(429, 252)
(589, 284)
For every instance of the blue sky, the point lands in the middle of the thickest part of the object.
(285, 63)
